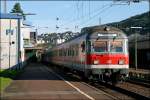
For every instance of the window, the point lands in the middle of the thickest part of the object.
(100, 46)
(26, 41)
(12, 32)
(116, 46)
(72, 52)
(9, 31)
(89, 46)
(83, 46)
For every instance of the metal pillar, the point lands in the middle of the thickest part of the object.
(135, 51)
(5, 6)
(136, 45)
(9, 42)
(99, 20)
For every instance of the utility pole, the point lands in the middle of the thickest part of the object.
(9, 33)
(5, 6)
(136, 46)
(99, 20)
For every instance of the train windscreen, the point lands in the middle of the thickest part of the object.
(100, 46)
(107, 46)
(116, 46)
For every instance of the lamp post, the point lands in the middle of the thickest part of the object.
(135, 41)
(9, 33)
(36, 31)
(5, 6)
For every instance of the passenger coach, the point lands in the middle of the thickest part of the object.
(100, 52)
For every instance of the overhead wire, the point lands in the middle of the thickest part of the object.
(89, 8)
(84, 23)
(76, 20)
(103, 10)
(106, 15)
(116, 3)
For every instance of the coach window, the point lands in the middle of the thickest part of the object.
(76, 51)
(77, 48)
(59, 53)
(67, 52)
(64, 52)
(83, 46)
(89, 46)
(72, 52)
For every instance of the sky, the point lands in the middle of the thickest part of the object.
(74, 15)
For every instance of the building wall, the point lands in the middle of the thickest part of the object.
(9, 43)
(24, 39)
(26, 32)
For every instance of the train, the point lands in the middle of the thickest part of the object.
(98, 52)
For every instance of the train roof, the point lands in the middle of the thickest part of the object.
(101, 28)
(94, 29)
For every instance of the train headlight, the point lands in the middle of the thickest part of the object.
(96, 62)
(121, 62)
(109, 61)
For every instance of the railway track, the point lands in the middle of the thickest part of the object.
(113, 94)
(130, 89)
(124, 90)
(116, 94)
(139, 82)
(93, 88)
(135, 90)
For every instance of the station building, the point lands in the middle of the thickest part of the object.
(16, 43)
(10, 41)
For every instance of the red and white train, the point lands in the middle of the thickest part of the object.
(100, 52)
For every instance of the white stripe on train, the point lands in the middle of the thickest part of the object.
(107, 66)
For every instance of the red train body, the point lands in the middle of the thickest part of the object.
(99, 52)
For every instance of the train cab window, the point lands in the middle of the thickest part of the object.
(116, 46)
(100, 46)
(83, 46)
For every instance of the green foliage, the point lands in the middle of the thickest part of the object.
(17, 9)
(6, 77)
(9, 73)
(4, 82)
(141, 20)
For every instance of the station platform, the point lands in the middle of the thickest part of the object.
(139, 73)
(142, 71)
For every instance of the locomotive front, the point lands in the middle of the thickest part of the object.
(107, 54)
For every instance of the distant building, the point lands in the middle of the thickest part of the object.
(25, 42)
(60, 40)
(26, 29)
(10, 41)
(33, 37)
(40, 39)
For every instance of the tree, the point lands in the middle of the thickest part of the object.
(17, 9)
